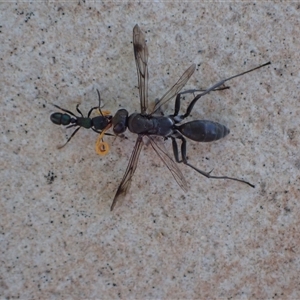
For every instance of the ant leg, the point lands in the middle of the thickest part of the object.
(77, 108)
(206, 174)
(99, 98)
(100, 131)
(203, 90)
(93, 108)
(177, 104)
(72, 125)
(99, 107)
(177, 101)
(65, 110)
(159, 108)
(75, 131)
(175, 150)
(218, 84)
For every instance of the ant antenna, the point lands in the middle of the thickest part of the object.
(99, 103)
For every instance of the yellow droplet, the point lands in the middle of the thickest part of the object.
(101, 147)
(104, 112)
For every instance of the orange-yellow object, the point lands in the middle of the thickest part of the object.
(101, 147)
(104, 112)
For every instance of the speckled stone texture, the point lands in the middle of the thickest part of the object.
(221, 239)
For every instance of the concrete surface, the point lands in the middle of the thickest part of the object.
(221, 239)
